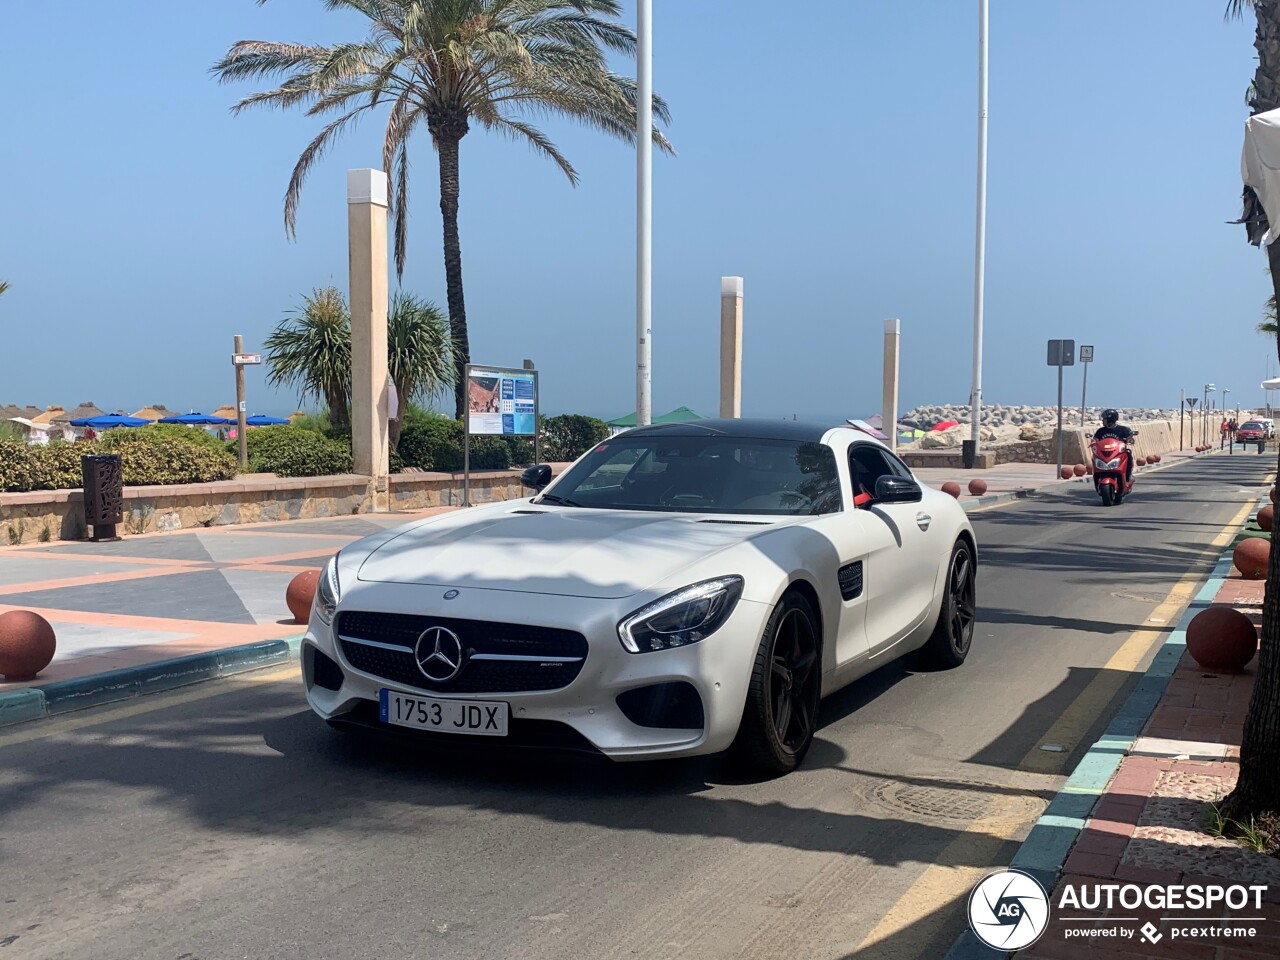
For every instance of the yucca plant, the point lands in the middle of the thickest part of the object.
(419, 355)
(442, 65)
(311, 351)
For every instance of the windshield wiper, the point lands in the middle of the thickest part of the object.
(563, 501)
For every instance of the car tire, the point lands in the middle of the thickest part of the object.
(948, 646)
(781, 712)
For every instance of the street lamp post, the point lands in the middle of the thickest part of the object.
(644, 211)
(979, 266)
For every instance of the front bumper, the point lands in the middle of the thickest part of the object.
(585, 713)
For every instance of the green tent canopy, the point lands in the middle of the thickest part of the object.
(678, 415)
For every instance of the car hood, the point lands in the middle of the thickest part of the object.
(565, 551)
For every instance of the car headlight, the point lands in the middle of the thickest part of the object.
(681, 618)
(328, 591)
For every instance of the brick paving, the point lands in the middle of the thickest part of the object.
(159, 596)
(1149, 828)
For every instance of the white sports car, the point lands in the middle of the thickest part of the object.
(681, 589)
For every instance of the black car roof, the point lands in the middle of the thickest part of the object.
(757, 429)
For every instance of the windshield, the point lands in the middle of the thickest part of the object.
(703, 475)
(1252, 425)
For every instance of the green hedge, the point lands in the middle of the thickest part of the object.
(146, 458)
(296, 452)
(196, 436)
(431, 441)
(570, 435)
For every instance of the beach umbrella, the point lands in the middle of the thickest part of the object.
(109, 420)
(197, 420)
(261, 420)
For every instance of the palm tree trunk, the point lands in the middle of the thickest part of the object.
(447, 142)
(1258, 789)
(339, 415)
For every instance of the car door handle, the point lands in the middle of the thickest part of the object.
(923, 520)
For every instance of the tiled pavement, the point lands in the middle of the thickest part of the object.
(155, 597)
(1148, 828)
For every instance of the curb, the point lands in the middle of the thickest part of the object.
(65, 696)
(1044, 851)
(994, 499)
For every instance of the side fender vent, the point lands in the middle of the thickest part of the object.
(850, 577)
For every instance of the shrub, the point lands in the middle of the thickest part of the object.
(570, 435)
(322, 424)
(173, 431)
(431, 441)
(146, 458)
(296, 452)
(519, 450)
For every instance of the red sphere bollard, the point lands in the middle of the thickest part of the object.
(1088, 469)
(1154, 458)
(1266, 518)
(952, 488)
(1222, 639)
(27, 644)
(1142, 461)
(977, 486)
(300, 593)
(1067, 473)
(1250, 557)
(1079, 469)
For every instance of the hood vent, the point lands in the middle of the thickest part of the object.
(740, 523)
(531, 513)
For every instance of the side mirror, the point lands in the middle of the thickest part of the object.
(894, 489)
(537, 477)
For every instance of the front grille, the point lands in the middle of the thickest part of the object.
(499, 657)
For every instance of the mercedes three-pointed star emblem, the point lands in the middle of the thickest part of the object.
(439, 654)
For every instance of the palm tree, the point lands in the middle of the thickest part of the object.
(312, 351)
(443, 65)
(4, 285)
(1257, 790)
(419, 354)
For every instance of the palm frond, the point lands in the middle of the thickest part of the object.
(1236, 9)
(311, 349)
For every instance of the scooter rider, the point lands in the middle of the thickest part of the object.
(1112, 427)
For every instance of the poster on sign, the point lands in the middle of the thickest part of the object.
(501, 402)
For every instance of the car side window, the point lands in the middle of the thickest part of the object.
(867, 464)
(898, 467)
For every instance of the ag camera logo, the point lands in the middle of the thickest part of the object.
(1008, 910)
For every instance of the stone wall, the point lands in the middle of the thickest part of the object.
(48, 515)
(1154, 436)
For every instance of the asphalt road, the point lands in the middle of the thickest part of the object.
(224, 821)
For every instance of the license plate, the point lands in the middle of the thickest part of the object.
(484, 718)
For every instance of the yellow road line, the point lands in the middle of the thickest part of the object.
(54, 726)
(916, 919)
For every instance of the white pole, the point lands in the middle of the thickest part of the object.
(644, 211)
(979, 267)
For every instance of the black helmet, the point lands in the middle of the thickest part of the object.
(1110, 417)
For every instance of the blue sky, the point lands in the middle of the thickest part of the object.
(826, 158)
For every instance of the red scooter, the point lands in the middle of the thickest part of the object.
(1110, 468)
